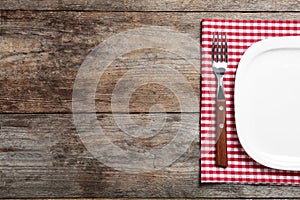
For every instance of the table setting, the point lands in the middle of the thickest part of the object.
(249, 101)
(44, 153)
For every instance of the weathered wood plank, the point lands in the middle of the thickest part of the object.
(150, 198)
(40, 55)
(154, 5)
(44, 156)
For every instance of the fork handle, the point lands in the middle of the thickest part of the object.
(221, 144)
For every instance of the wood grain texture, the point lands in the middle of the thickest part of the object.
(42, 45)
(41, 55)
(154, 5)
(43, 156)
(221, 133)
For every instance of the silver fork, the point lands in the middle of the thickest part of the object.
(219, 53)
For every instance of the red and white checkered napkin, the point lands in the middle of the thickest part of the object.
(241, 34)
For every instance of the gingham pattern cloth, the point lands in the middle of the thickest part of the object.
(240, 35)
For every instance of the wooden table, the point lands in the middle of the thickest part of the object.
(43, 44)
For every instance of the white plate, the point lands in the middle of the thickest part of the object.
(267, 102)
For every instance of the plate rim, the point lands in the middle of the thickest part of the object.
(254, 50)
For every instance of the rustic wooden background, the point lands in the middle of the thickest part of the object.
(44, 42)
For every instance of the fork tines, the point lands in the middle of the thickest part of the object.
(219, 47)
